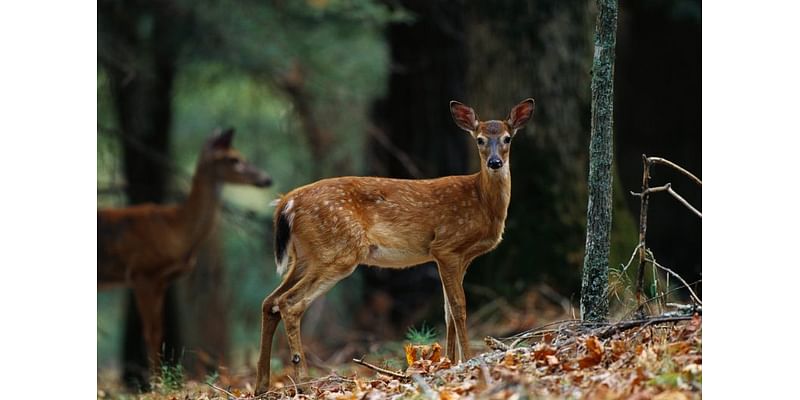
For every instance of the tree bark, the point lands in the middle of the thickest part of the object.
(141, 68)
(594, 288)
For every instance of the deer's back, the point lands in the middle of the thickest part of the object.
(387, 222)
(142, 239)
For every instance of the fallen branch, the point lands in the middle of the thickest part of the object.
(217, 388)
(379, 369)
(609, 331)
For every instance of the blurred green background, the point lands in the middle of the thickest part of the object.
(322, 88)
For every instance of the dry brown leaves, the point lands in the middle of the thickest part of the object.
(658, 362)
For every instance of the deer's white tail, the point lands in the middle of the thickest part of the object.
(283, 236)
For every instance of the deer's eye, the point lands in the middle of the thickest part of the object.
(481, 141)
(507, 139)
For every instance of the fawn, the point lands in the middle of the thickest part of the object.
(324, 230)
(146, 247)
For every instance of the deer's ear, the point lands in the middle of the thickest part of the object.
(222, 140)
(520, 114)
(464, 116)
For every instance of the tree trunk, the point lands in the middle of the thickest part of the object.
(594, 288)
(415, 137)
(144, 112)
(141, 68)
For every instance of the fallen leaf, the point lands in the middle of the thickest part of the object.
(551, 360)
(542, 350)
(411, 353)
(510, 360)
(618, 348)
(594, 353)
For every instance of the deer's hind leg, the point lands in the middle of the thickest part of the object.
(317, 280)
(270, 317)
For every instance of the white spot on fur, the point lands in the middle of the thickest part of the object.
(283, 263)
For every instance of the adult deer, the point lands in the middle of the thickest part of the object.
(324, 230)
(146, 247)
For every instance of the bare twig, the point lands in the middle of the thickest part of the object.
(645, 197)
(643, 226)
(658, 297)
(684, 202)
(664, 161)
(379, 369)
(495, 344)
(668, 188)
(694, 295)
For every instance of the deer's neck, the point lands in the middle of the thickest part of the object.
(494, 189)
(199, 211)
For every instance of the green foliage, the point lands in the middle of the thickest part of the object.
(212, 378)
(170, 378)
(424, 335)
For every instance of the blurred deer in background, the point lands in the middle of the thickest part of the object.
(324, 230)
(146, 247)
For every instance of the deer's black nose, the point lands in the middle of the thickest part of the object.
(265, 181)
(495, 163)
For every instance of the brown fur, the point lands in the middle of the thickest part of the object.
(146, 247)
(337, 224)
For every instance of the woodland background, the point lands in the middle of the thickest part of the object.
(323, 88)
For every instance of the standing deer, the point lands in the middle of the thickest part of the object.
(324, 230)
(148, 246)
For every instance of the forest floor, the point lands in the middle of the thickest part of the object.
(653, 359)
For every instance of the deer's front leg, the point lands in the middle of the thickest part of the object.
(451, 273)
(450, 338)
(150, 303)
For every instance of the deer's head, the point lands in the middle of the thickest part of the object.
(493, 138)
(226, 164)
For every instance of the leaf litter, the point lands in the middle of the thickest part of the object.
(660, 361)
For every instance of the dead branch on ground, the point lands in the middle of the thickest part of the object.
(360, 361)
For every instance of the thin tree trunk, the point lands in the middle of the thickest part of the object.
(141, 68)
(594, 288)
